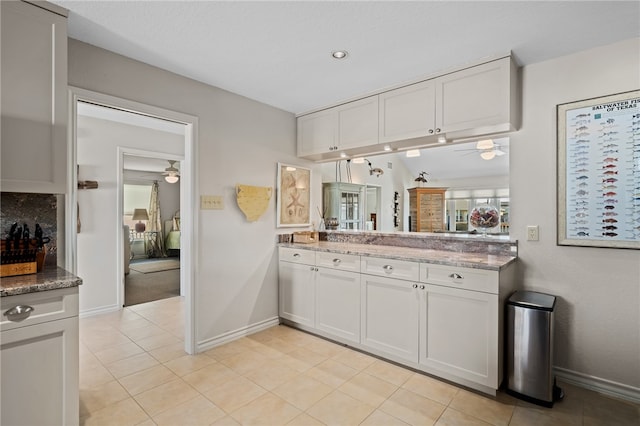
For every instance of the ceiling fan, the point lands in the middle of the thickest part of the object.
(171, 173)
(487, 148)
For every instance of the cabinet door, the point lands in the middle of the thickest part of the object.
(459, 333)
(358, 123)
(338, 303)
(40, 374)
(390, 317)
(408, 112)
(317, 133)
(34, 99)
(297, 293)
(474, 97)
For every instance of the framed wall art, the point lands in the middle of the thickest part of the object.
(293, 196)
(599, 172)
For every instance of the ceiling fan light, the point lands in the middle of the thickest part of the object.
(171, 178)
(485, 144)
(413, 153)
(488, 155)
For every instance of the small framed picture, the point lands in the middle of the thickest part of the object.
(293, 196)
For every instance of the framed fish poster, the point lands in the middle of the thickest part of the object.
(599, 172)
(294, 196)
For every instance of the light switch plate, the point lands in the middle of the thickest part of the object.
(211, 202)
(532, 233)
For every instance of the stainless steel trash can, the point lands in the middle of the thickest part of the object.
(530, 347)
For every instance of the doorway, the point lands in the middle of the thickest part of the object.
(95, 216)
(151, 229)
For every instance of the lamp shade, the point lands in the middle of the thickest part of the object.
(140, 214)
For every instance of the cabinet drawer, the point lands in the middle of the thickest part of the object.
(458, 277)
(345, 262)
(47, 306)
(287, 254)
(400, 269)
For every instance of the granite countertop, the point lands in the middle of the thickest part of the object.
(50, 279)
(442, 257)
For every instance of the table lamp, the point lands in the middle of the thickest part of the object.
(140, 215)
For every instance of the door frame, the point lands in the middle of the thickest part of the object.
(188, 197)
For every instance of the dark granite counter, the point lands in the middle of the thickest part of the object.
(50, 279)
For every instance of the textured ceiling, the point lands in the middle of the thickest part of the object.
(279, 52)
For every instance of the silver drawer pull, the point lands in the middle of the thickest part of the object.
(422, 287)
(388, 268)
(296, 254)
(456, 276)
(336, 260)
(22, 310)
(415, 286)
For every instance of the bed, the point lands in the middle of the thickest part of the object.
(172, 233)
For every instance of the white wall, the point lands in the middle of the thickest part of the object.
(598, 313)
(240, 142)
(98, 141)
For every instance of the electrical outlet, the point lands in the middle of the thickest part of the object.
(211, 202)
(532, 233)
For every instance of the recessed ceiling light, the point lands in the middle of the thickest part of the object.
(339, 54)
(387, 148)
(442, 139)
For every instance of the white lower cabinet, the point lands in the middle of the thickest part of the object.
(297, 293)
(39, 359)
(459, 333)
(338, 303)
(444, 320)
(326, 297)
(390, 310)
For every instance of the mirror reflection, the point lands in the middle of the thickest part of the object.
(451, 180)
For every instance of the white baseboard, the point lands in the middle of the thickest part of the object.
(98, 311)
(607, 387)
(229, 336)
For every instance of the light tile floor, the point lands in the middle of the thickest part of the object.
(133, 370)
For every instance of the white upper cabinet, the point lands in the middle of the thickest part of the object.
(317, 133)
(477, 100)
(34, 99)
(358, 123)
(325, 134)
(408, 112)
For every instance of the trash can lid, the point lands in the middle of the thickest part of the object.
(533, 299)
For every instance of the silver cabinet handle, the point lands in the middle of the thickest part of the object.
(19, 310)
(430, 131)
(422, 287)
(312, 269)
(456, 276)
(415, 286)
(336, 260)
(388, 268)
(438, 130)
(296, 254)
